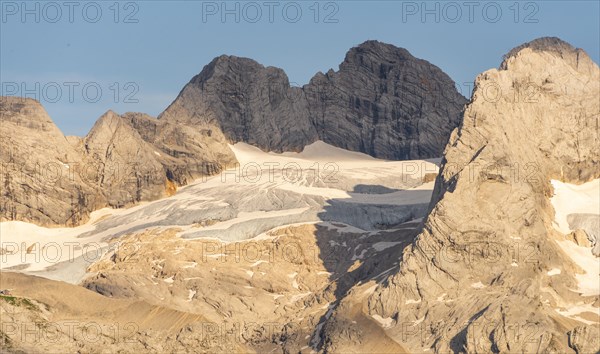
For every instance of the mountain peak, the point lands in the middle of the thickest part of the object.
(109, 114)
(555, 129)
(233, 59)
(223, 64)
(378, 48)
(382, 101)
(27, 112)
(553, 45)
(109, 118)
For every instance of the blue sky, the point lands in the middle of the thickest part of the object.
(139, 54)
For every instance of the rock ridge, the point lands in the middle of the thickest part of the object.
(382, 101)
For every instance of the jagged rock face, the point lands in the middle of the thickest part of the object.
(49, 179)
(185, 152)
(139, 156)
(128, 170)
(385, 102)
(248, 103)
(37, 183)
(479, 267)
(382, 101)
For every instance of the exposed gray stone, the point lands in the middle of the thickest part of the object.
(382, 101)
(386, 103)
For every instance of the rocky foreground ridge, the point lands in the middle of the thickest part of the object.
(478, 277)
(382, 101)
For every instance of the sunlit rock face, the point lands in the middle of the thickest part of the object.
(483, 262)
(37, 183)
(49, 179)
(324, 250)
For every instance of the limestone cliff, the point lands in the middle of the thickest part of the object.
(476, 278)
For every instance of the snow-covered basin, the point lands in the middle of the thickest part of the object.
(570, 200)
(268, 190)
(26, 246)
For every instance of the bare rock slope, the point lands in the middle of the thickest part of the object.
(385, 102)
(477, 277)
(49, 179)
(37, 185)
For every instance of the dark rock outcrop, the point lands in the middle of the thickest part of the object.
(382, 101)
(386, 103)
(247, 102)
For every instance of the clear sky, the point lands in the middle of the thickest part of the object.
(140, 54)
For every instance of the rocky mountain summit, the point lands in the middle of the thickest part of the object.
(37, 185)
(487, 273)
(382, 101)
(385, 102)
(247, 102)
(150, 156)
(49, 179)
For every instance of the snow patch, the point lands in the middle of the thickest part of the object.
(191, 265)
(574, 199)
(360, 256)
(299, 296)
(191, 294)
(257, 263)
(576, 310)
(370, 290)
(554, 271)
(341, 227)
(589, 282)
(578, 199)
(380, 246)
